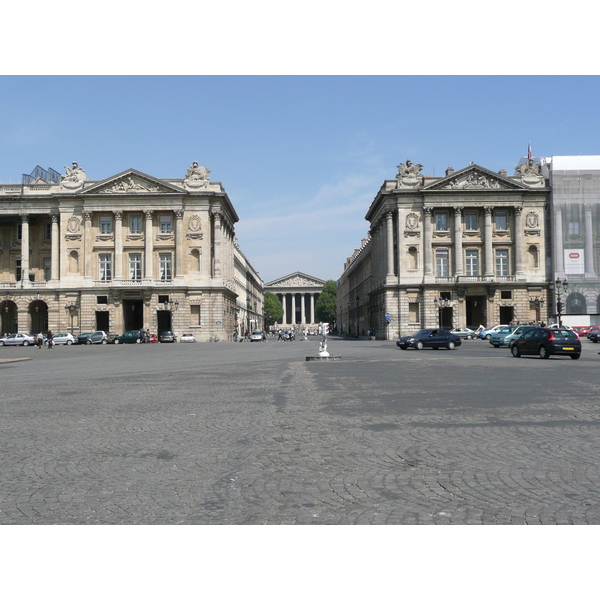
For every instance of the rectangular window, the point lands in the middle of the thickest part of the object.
(47, 231)
(105, 267)
(105, 225)
(101, 299)
(441, 262)
(18, 272)
(441, 221)
(501, 219)
(413, 312)
(195, 310)
(472, 262)
(135, 224)
(135, 266)
(47, 268)
(505, 295)
(502, 263)
(165, 266)
(471, 221)
(165, 223)
(574, 228)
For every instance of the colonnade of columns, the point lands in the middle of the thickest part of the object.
(305, 301)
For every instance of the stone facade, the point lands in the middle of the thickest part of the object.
(462, 250)
(298, 294)
(127, 252)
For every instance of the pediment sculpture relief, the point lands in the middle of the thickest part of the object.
(473, 181)
(298, 281)
(128, 185)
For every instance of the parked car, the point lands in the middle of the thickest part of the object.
(486, 334)
(594, 336)
(82, 337)
(429, 338)
(509, 340)
(545, 341)
(591, 330)
(464, 333)
(167, 336)
(66, 339)
(187, 337)
(498, 336)
(129, 337)
(582, 330)
(257, 336)
(17, 339)
(98, 337)
(152, 339)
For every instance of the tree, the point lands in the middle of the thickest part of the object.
(326, 306)
(272, 309)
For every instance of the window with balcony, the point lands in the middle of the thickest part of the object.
(165, 266)
(135, 266)
(502, 262)
(501, 220)
(135, 224)
(471, 220)
(165, 224)
(472, 263)
(105, 224)
(442, 262)
(441, 221)
(105, 267)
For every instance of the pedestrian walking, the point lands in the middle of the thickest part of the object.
(50, 342)
(40, 340)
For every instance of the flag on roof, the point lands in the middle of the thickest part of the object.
(529, 151)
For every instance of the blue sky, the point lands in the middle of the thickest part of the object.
(301, 157)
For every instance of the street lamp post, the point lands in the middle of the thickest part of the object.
(560, 288)
(71, 308)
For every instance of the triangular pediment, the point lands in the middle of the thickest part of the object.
(474, 177)
(296, 279)
(132, 182)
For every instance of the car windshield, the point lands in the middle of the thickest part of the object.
(420, 333)
(564, 334)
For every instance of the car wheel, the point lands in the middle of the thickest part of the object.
(543, 352)
(138, 341)
(488, 336)
(89, 342)
(117, 342)
(419, 345)
(104, 341)
(515, 352)
(1, 343)
(25, 343)
(69, 343)
(451, 345)
(575, 356)
(469, 337)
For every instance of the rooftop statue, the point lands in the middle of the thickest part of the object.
(408, 174)
(530, 169)
(74, 177)
(196, 176)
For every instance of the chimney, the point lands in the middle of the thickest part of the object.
(449, 171)
(502, 172)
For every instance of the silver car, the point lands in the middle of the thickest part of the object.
(17, 339)
(63, 338)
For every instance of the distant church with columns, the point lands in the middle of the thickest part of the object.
(298, 294)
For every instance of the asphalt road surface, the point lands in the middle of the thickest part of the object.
(252, 433)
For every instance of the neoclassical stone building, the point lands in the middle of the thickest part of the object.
(127, 252)
(465, 249)
(298, 293)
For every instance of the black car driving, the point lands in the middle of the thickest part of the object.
(429, 338)
(545, 342)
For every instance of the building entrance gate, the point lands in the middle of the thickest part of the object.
(133, 314)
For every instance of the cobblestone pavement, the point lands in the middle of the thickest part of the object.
(251, 433)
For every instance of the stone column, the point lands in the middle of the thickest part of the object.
(217, 243)
(589, 244)
(559, 255)
(302, 308)
(518, 239)
(55, 250)
(148, 245)
(427, 247)
(293, 309)
(458, 248)
(390, 246)
(312, 309)
(87, 244)
(118, 216)
(488, 248)
(24, 250)
(284, 303)
(179, 245)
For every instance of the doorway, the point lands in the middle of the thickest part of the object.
(476, 311)
(102, 321)
(163, 321)
(133, 314)
(506, 314)
(446, 315)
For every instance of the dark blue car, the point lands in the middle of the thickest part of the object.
(429, 338)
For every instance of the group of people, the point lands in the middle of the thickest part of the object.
(144, 336)
(39, 341)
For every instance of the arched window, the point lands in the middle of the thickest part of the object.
(576, 304)
(73, 261)
(534, 258)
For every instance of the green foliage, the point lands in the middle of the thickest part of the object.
(272, 309)
(326, 307)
